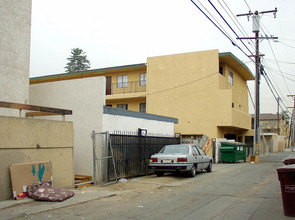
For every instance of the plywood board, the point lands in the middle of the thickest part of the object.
(24, 174)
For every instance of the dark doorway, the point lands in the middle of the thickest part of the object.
(230, 136)
(108, 85)
(249, 142)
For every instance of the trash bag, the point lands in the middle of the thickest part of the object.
(46, 192)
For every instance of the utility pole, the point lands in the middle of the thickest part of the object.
(292, 126)
(255, 29)
(278, 116)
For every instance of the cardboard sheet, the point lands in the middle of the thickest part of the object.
(24, 174)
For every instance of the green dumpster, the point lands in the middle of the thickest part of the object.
(233, 152)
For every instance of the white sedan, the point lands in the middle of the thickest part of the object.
(180, 158)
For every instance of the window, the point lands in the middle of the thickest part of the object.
(123, 106)
(142, 80)
(232, 105)
(122, 81)
(231, 78)
(175, 149)
(195, 151)
(201, 151)
(142, 107)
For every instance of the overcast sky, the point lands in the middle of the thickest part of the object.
(117, 32)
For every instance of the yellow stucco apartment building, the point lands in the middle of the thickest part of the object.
(206, 91)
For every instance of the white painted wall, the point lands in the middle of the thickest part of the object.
(113, 123)
(86, 98)
(15, 37)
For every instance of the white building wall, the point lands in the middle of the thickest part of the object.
(120, 123)
(15, 34)
(86, 98)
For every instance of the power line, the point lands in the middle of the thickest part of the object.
(229, 26)
(278, 65)
(215, 20)
(271, 87)
(248, 6)
(280, 61)
(233, 43)
(284, 105)
(277, 85)
(185, 84)
(285, 44)
(287, 39)
(275, 70)
(235, 21)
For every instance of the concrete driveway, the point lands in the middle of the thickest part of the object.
(231, 191)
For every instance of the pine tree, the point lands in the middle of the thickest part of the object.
(77, 61)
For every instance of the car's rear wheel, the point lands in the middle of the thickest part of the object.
(159, 173)
(209, 168)
(193, 171)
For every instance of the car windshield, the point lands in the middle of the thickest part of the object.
(174, 149)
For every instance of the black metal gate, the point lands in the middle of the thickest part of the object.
(132, 153)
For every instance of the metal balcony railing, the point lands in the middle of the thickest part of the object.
(126, 87)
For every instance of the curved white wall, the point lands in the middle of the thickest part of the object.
(86, 98)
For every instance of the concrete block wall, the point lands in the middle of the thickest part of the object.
(24, 140)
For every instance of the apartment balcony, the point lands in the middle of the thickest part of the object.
(123, 90)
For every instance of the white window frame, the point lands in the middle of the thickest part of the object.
(122, 106)
(142, 79)
(142, 107)
(122, 81)
(231, 78)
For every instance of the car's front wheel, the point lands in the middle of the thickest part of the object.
(209, 168)
(193, 171)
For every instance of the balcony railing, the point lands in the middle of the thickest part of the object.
(126, 87)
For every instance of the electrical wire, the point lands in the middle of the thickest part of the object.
(267, 79)
(185, 84)
(275, 70)
(269, 83)
(280, 61)
(233, 43)
(278, 66)
(213, 18)
(229, 26)
(250, 97)
(272, 88)
(236, 22)
(193, 81)
(269, 70)
(285, 44)
(264, 30)
(247, 6)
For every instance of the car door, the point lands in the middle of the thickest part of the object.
(198, 158)
(205, 158)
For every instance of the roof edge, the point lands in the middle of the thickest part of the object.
(89, 71)
(229, 54)
(134, 114)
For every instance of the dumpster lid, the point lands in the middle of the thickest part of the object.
(287, 168)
